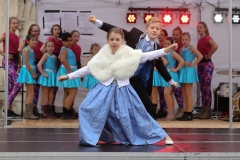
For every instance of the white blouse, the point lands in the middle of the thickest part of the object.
(146, 56)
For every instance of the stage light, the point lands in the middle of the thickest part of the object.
(131, 17)
(147, 17)
(184, 18)
(217, 18)
(167, 18)
(236, 19)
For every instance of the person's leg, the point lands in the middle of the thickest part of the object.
(44, 101)
(206, 90)
(50, 102)
(179, 98)
(170, 103)
(163, 107)
(154, 99)
(188, 103)
(14, 86)
(29, 102)
(69, 96)
(143, 95)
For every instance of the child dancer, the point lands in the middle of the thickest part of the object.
(113, 100)
(14, 62)
(207, 47)
(56, 32)
(76, 48)
(89, 80)
(177, 34)
(34, 29)
(162, 112)
(172, 58)
(162, 36)
(47, 79)
(188, 74)
(141, 81)
(28, 75)
(69, 65)
(157, 82)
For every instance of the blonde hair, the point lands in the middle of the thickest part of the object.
(153, 20)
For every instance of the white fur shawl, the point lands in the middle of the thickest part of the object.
(121, 65)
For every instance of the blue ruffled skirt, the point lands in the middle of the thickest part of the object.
(89, 81)
(25, 76)
(73, 83)
(49, 81)
(188, 75)
(157, 79)
(110, 113)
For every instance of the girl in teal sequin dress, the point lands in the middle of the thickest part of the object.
(188, 74)
(172, 68)
(28, 74)
(89, 80)
(47, 79)
(69, 65)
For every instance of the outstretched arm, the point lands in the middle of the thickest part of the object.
(148, 56)
(77, 74)
(105, 26)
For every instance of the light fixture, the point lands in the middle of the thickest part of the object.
(167, 18)
(236, 18)
(184, 18)
(147, 17)
(131, 17)
(218, 18)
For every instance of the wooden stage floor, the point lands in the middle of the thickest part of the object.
(58, 139)
(62, 143)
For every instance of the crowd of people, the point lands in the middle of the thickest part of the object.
(124, 80)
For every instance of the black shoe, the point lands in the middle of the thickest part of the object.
(162, 113)
(66, 115)
(36, 113)
(185, 117)
(11, 114)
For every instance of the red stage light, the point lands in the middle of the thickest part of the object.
(147, 17)
(167, 18)
(184, 18)
(131, 17)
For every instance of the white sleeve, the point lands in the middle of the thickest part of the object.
(148, 56)
(98, 23)
(79, 73)
(171, 82)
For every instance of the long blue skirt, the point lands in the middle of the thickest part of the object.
(122, 110)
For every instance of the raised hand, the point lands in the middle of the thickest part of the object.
(92, 19)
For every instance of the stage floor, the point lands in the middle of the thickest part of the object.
(62, 143)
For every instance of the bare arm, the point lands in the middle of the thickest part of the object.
(77, 74)
(40, 63)
(214, 48)
(43, 49)
(179, 59)
(165, 62)
(63, 60)
(2, 38)
(26, 55)
(86, 62)
(21, 46)
(198, 54)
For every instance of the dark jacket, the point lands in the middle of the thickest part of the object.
(132, 38)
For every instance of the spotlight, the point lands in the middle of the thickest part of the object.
(184, 18)
(218, 18)
(167, 18)
(131, 17)
(236, 18)
(147, 17)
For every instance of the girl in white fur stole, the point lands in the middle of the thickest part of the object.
(112, 110)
